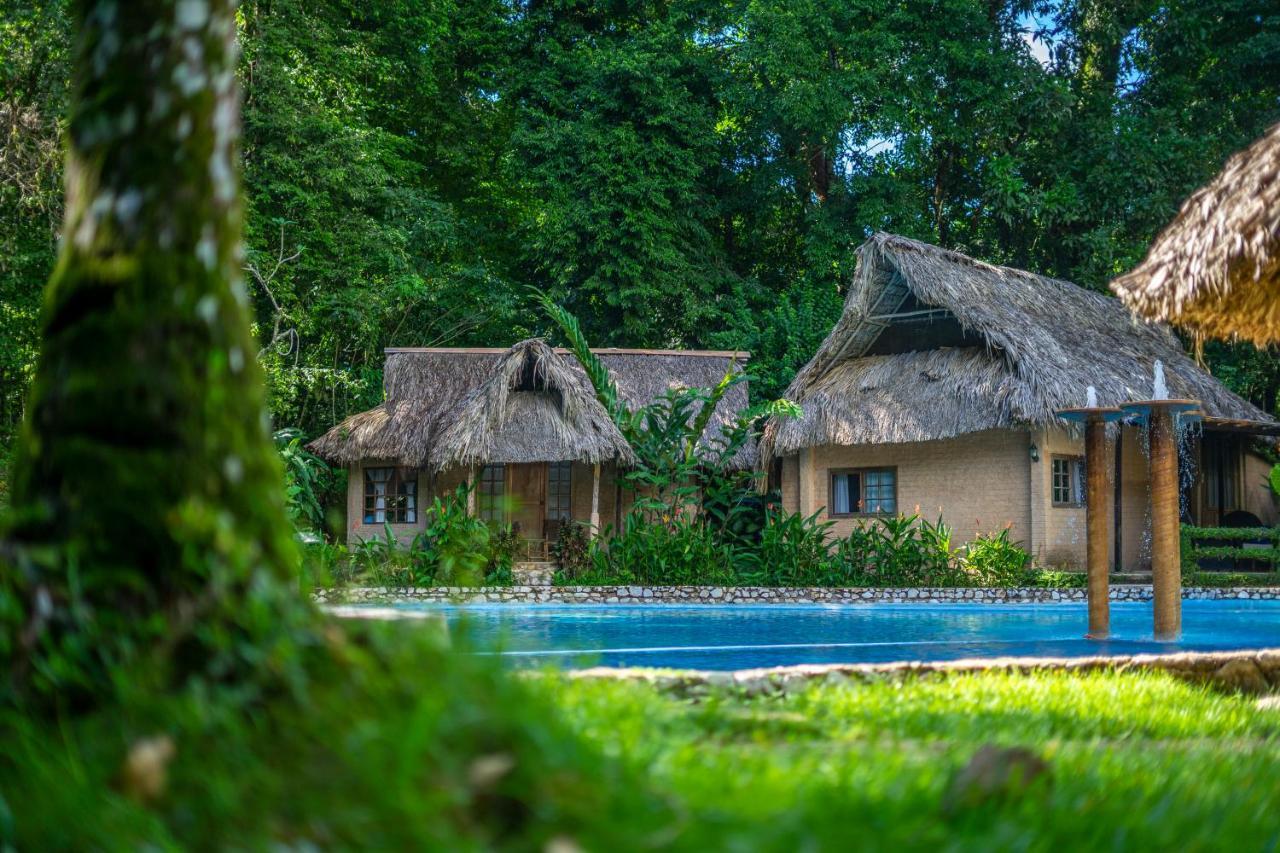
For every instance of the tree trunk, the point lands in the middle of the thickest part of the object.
(148, 501)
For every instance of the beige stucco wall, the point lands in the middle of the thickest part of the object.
(978, 483)
(985, 481)
(581, 496)
(357, 529)
(1135, 507)
(1058, 537)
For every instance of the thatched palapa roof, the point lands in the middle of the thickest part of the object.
(933, 344)
(1216, 267)
(529, 403)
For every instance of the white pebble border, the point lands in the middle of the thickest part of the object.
(762, 595)
(1246, 671)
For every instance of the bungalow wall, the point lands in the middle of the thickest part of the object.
(525, 491)
(1135, 505)
(976, 482)
(983, 482)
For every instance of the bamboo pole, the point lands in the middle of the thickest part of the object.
(1098, 532)
(595, 499)
(471, 491)
(1166, 569)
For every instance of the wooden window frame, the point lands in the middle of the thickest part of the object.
(832, 473)
(498, 510)
(568, 491)
(1069, 458)
(406, 507)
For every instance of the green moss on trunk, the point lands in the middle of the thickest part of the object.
(147, 510)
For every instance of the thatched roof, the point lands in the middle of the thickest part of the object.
(1216, 267)
(933, 344)
(529, 403)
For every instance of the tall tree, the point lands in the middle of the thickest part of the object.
(148, 518)
(616, 137)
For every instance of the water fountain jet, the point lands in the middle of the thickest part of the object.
(1161, 415)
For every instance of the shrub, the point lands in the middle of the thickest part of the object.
(455, 549)
(307, 480)
(572, 550)
(326, 565)
(1057, 579)
(902, 551)
(793, 550)
(676, 552)
(995, 560)
(503, 547)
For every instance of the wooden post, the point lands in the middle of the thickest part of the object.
(1096, 524)
(807, 463)
(1166, 568)
(471, 491)
(595, 499)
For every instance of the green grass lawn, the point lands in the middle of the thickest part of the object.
(402, 746)
(1134, 760)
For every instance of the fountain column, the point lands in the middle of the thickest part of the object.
(1098, 531)
(1161, 415)
(1166, 558)
(1097, 508)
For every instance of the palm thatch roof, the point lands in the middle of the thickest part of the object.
(1216, 267)
(933, 344)
(529, 403)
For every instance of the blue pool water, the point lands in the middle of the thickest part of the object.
(728, 637)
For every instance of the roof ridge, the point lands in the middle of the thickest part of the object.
(696, 353)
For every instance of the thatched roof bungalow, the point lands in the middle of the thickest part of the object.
(523, 422)
(1216, 268)
(938, 388)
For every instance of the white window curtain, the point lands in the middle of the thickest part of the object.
(840, 500)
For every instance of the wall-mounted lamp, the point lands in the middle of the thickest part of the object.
(1035, 452)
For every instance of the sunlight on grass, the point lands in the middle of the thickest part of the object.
(1131, 756)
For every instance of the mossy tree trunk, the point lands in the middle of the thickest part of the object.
(148, 506)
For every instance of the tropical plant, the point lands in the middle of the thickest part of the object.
(454, 549)
(898, 551)
(499, 568)
(307, 479)
(793, 550)
(572, 550)
(994, 559)
(678, 552)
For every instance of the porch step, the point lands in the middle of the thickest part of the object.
(534, 572)
(1131, 577)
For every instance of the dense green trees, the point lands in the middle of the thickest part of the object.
(685, 173)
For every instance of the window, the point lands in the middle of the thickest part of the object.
(1068, 480)
(865, 491)
(493, 489)
(1220, 460)
(559, 491)
(390, 495)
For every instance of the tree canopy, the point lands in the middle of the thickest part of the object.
(677, 173)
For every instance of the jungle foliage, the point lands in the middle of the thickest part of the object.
(684, 173)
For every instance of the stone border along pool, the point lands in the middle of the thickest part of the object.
(761, 595)
(1249, 671)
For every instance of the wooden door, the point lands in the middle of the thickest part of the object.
(528, 494)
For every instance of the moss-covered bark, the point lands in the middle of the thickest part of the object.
(148, 513)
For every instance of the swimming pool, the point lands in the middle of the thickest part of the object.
(726, 637)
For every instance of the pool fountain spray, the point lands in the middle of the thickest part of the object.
(1161, 415)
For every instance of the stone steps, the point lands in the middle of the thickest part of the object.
(534, 572)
